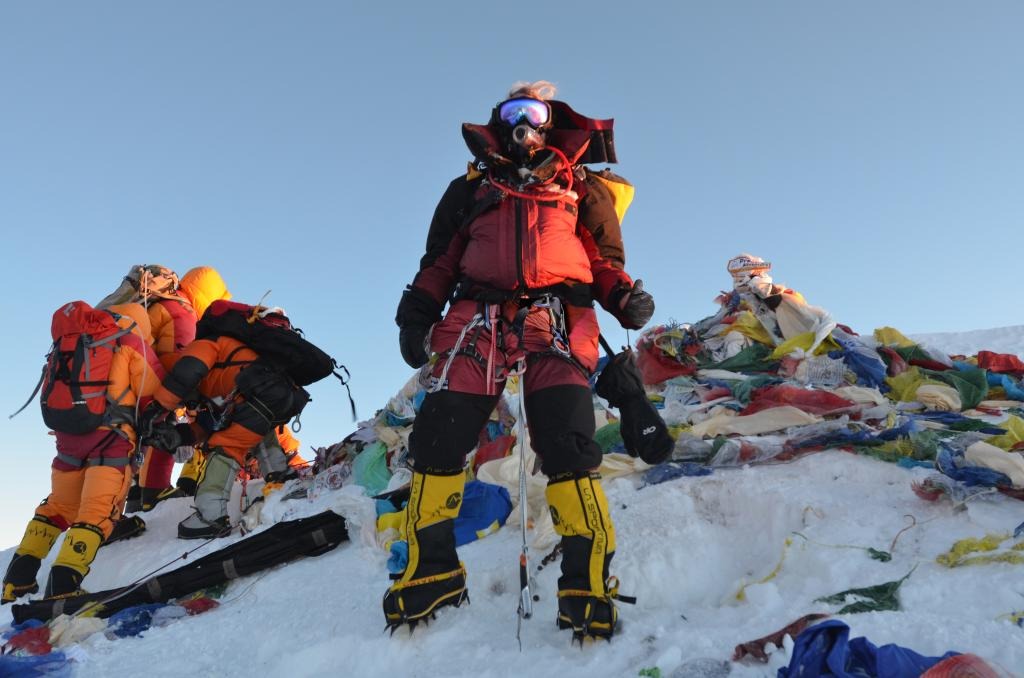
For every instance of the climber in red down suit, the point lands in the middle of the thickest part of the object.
(521, 246)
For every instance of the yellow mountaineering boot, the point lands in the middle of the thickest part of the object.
(73, 561)
(20, 579)
(433, 576)
(579, 511)
(188, 479)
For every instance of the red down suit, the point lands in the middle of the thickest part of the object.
(522, 263)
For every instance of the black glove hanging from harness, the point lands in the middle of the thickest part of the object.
(417, 312)
(643, 430)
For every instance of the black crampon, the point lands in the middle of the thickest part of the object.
(591, 616)
(408, 603)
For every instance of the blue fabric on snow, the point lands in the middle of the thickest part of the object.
(382, 506)
(863, 361)
(672, 470)
(53, 665)
(907, 462)
(485, 508)
(18, 628)
(950, 418)
(825, 649)
(835, 439)
(399, 557)
(902, 430)
(941, 417)
(132, 621)
(1007, 383)
(949, 460)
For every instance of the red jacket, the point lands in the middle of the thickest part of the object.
(500, 236)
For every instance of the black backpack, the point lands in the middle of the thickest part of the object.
(271, 335)
(282, 349)
(643, 430)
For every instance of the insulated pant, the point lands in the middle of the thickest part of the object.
(93, 496)
(475, 356)
(157, 467)
(236, 441)
(102, 447)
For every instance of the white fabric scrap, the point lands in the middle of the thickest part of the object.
(861, 394)
(938, 397)
(765, 421)
(985, 454)
(67, 630)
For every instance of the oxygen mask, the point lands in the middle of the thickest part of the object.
(527, 138)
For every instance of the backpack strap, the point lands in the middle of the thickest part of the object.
(228, 362)
(35, 391)
(342, 374)
(113, 337)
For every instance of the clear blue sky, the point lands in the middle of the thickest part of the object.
(872, 151)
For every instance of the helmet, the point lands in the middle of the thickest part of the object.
(743, 267)
(747, 263)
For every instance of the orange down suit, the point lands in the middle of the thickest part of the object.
(174, 328)
(173, 324)
(91, 471)
(199, 372)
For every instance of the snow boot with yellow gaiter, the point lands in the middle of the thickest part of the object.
(81, 543)
(433, 576)
(20, 579)
(579, 511)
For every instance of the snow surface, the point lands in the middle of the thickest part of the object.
(685, 548)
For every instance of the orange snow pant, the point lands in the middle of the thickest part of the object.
(89, 482)
(93, 495)
(236, 441)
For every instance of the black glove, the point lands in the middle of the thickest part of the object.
(151, 418)
(158, 427)
(636, 310)
(412, 340)
(417, 312)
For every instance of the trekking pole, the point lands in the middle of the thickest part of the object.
(525, 610)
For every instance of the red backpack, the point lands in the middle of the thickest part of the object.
(76, 375)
